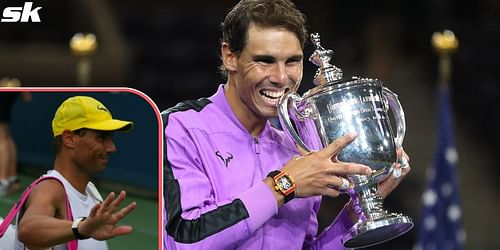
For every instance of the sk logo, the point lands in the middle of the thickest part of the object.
(23, 14)
(225, 160)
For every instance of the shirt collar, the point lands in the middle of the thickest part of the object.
(220, 100)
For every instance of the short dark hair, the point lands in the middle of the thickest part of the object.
(264, 13)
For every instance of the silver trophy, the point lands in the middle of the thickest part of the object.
(335, 107)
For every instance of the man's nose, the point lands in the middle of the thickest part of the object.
(279, 74)
(110, 146)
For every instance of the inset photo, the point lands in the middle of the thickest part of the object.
(79, 169)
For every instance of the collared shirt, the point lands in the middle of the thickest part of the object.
(215, 197)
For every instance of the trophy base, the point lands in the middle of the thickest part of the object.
(372, 232)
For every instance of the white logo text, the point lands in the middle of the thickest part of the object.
(21, 14)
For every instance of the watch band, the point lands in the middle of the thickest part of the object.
(74, 227)
(288, 193)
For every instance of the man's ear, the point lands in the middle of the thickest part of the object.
(68, 139)
(229, 58)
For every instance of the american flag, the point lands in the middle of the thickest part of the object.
(441, 217)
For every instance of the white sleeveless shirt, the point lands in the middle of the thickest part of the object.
(80, 207)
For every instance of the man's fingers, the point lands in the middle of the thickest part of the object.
(330, 192)
(121, 197)
(388, 184)
(125, 211)
(121, 230)
(345, 169)
(93, 211)
(340, 183)
(403, 158)
(345, 184)
(108, 200)
(401, 153)
(336, 146)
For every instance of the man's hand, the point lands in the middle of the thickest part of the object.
(387, 185)
(102, 220)
(321, 173)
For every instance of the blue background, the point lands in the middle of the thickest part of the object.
(136, 160)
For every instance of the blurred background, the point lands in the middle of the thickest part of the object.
(169, 50)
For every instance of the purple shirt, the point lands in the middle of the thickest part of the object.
(214, 194)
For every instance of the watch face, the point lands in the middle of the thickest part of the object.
(285, 183)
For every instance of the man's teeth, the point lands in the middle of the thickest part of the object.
(272, 94)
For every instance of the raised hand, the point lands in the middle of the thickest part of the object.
(387, 185)
(102, 220)
(321, 173)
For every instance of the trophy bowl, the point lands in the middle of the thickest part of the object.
(339, 106)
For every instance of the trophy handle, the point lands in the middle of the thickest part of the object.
(285, 117)
(399, 116)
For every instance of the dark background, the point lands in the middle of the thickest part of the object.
(169, 50)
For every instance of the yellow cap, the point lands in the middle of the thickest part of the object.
(85, 112)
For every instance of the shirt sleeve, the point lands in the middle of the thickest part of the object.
(194, 219)
(331, 237)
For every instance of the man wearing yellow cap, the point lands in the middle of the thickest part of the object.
(82, 129)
